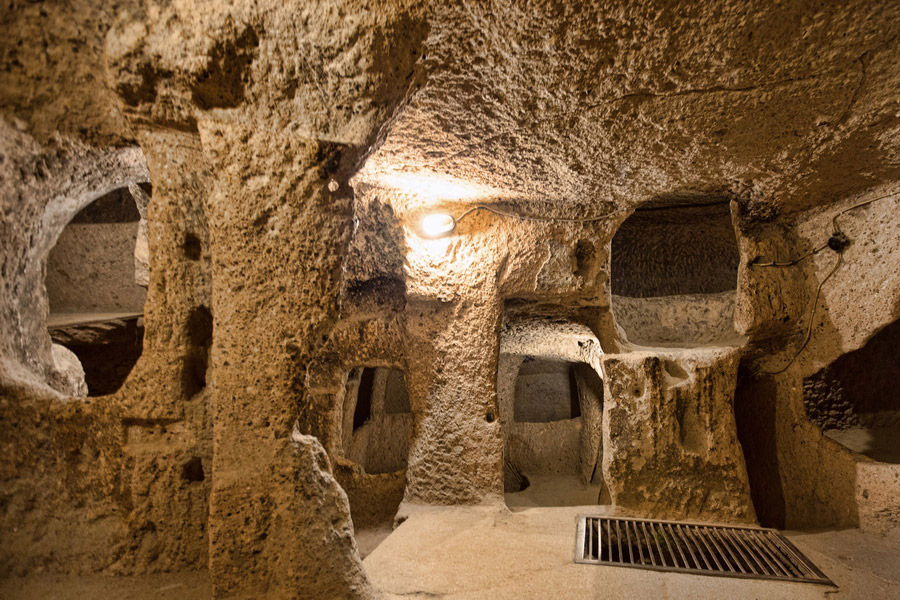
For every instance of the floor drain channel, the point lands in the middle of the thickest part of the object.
(747, 552)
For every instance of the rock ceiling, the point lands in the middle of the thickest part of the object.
(576, 106)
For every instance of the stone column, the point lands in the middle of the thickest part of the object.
(278, 235)
(457, 451)
(173, 365)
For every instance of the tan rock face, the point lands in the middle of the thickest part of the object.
(68, 365)
(293, 149)
(670, 447)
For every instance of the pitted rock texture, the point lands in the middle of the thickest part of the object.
(293, 148)
(43, 188)
(679, 321)
(670, 448)
(66, 363)
(573, 105)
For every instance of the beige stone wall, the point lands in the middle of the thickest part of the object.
(268, 128)
(91, 269)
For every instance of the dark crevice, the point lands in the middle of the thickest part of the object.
(363, 410)
(199, 334)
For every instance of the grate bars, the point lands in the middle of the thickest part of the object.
(693, 548)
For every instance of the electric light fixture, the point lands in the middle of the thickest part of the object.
(437, 225)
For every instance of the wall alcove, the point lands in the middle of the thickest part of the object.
(855, 401)
(377, 422)
(96, 288)
(550, 397)
(674, 274)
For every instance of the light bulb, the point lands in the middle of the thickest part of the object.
(437, 225)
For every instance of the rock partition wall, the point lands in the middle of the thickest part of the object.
(800, 477)
(670, 446)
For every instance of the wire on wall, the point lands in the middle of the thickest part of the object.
(514, 215)
(837, 242)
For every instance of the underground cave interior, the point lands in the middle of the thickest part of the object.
(419, 285)
(669, 294)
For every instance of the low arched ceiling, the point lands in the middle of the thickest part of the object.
(576, 104)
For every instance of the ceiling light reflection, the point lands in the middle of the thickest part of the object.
(432, 187)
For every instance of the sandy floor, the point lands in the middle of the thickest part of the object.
(191, 585)
(880, 443)
(369, 539)
(553, 491)
(496, 554)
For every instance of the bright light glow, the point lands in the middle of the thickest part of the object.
(437, 224)
(432, 187)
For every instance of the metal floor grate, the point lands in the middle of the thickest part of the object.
(693, 548)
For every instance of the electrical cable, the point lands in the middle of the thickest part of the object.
(837, 242)
(790, 263)
(837, 237)
(513, 215)
(834, 219)
(809, 326)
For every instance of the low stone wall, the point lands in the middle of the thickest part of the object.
(670, 447)
(678, 321)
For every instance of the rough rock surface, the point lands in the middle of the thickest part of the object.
(670, 447)
(66, 363)
(293, 149)
(141, 244)
(91, 269)
(679, 321)
(43, 188)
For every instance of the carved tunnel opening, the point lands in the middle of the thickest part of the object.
(551, 455)
(854, 400)
(96, 288)
(377, 419)
(673, 275)
(546, 391)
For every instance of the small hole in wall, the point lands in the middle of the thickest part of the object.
(199, 334)
(192, 470)
(192, 246)
(489, 417)
(513, 479)
(200, 326)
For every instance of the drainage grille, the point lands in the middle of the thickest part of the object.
(693, 548)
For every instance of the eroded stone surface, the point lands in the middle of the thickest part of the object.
(292, 151)
(670, 447)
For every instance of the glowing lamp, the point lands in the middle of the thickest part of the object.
(437, 225)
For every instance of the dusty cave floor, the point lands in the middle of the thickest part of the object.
(495, 554)
(526, 553)
(553, 491)
(188, 585)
